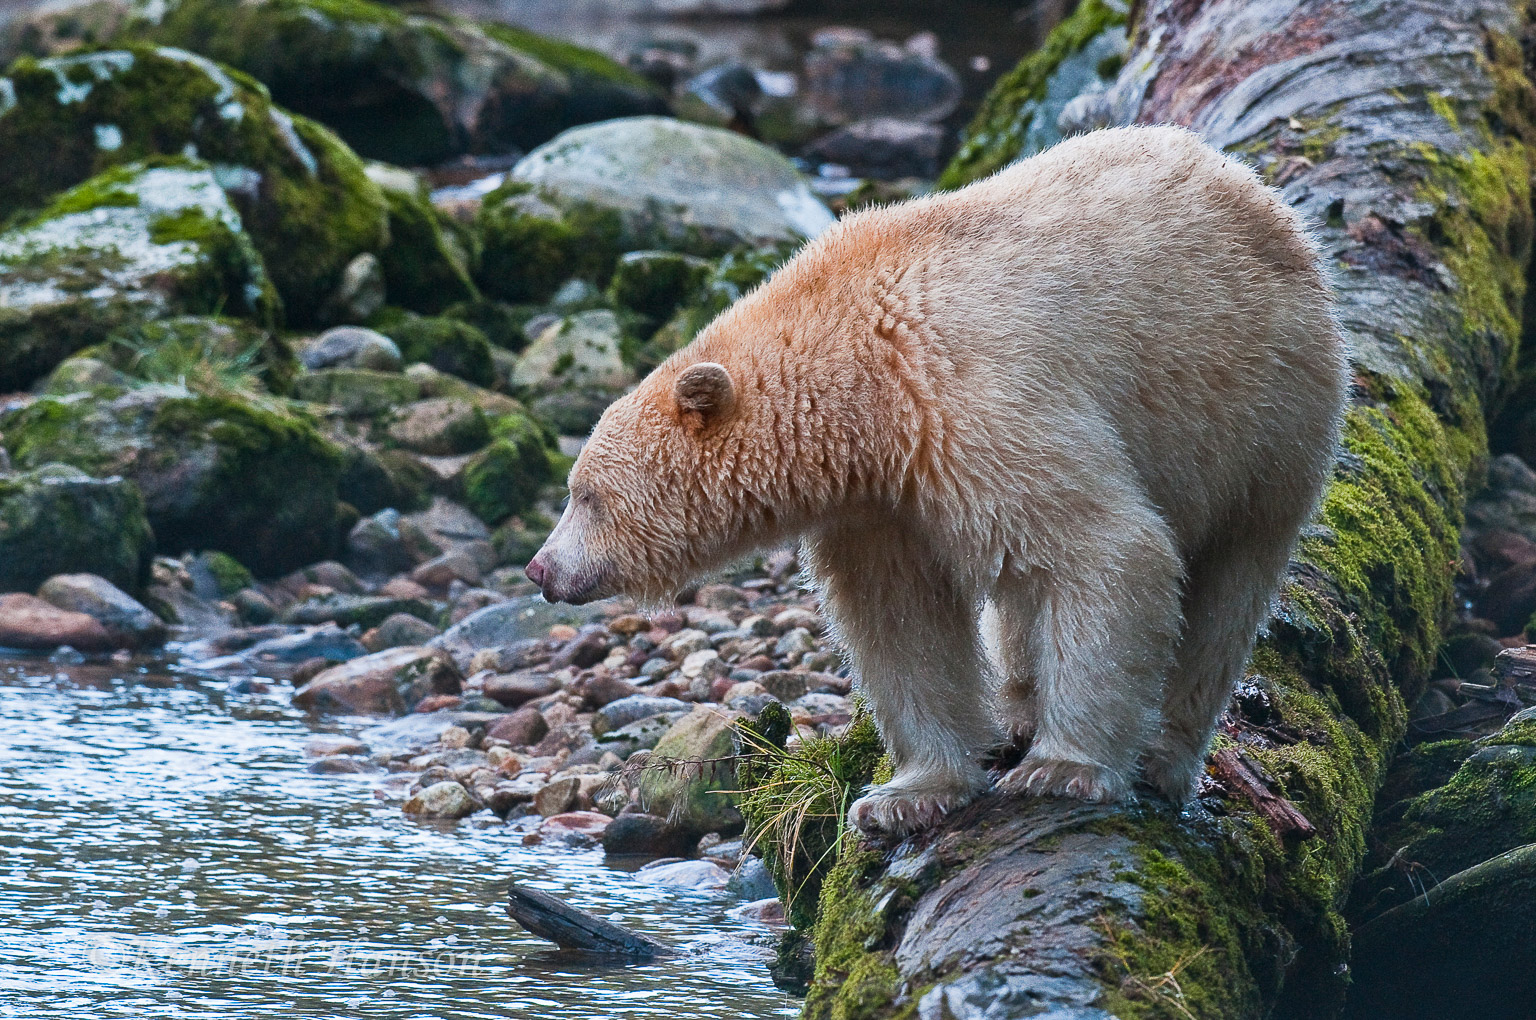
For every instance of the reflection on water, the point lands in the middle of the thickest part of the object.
(167, 854)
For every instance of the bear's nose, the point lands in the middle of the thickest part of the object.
(537, 572)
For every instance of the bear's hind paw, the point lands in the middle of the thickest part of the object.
(894, 812)
(1055, 777)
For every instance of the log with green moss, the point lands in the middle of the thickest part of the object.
(1402, 129)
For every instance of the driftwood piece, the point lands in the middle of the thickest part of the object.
(1240, 775)
(549, 917)
(1402, 129)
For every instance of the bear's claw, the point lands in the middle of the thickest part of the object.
(895, 812)
(1054, 777)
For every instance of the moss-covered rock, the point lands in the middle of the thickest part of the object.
(427, 262)
(732, 277)
(507, 476)
(571, 207)
(135, 243)
(448, 345)
(1018, 117)
(372, 480)
(234, 473)
(1485, 806)
(696, 791)
(303, 195)
(574, 369)
(356, 392)
(655, 283)
(407, 87)
(59, 520)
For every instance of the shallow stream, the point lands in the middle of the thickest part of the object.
(166, 854)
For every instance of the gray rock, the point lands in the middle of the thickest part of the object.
(352, 347)
(882, 147)
(517, 619)
(751, 880)
(677, 186)
(441, 800)
(402, 629)
(441, 426)
(581, 350)
(360, 292)
(624, 711)
(797, 641)
(849, 76)
(124, 617)
(58, 520)
(640, 735)
(643, 834)
(700, 876)
(327, 642)
(375, 547)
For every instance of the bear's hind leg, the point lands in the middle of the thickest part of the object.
(913, 638)
(1016, 603)
(1105, 626)
(1228, 595)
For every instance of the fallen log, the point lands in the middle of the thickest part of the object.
(1402, 129)
(571, 928)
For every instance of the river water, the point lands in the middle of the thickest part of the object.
(167, 854)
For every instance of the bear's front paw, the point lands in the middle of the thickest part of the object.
(893, 811)
(1055, 777)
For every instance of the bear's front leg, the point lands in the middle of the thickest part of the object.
(912, 635)
(1103, 627)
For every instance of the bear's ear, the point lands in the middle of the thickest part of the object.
(704, 393)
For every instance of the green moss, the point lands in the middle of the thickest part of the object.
(1392, 517)
(227, 573)
(506, 477)
(530, 246)
(568, 58)
(423, 269)
(995, 137)
(302, 195)
(448, 345)
(204, 353)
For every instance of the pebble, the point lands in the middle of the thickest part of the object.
(795, 641)
(327, 744)
(441, 800)
(521, 728)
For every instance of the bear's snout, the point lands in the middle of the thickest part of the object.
(560, 585)
(536, 570)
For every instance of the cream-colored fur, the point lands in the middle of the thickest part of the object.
(1099, 391)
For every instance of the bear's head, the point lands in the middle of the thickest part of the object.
(656, 496)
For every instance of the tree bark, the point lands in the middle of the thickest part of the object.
(1402, 129)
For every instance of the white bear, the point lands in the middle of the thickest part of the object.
(1098, 392)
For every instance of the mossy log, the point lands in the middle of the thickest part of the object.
(1402, 129)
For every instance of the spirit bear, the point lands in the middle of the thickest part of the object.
(1095, 396)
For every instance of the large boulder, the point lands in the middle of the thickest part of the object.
(133, 244)
(58, 520)
(408, 88)
(235, 473)
(302, 194)
(570, 207)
